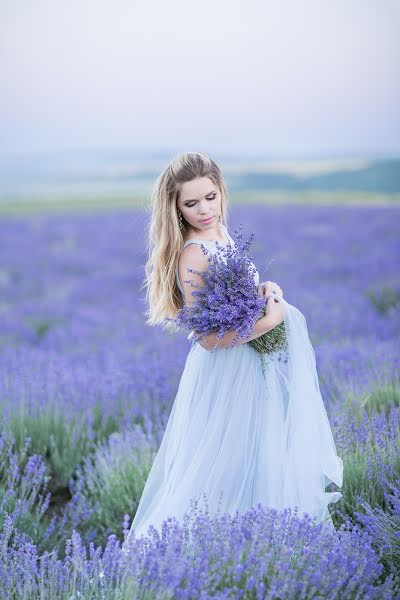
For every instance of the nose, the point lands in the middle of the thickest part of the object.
(203, 208)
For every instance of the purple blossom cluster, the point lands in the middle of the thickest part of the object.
(228, 298)
(262, 554)
(383, 527)
(86, 390)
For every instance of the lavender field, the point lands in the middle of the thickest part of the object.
(86, 390)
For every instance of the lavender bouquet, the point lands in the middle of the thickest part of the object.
(229, 299)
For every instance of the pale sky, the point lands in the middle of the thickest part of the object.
(282, 77)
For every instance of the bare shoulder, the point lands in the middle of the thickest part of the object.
(191, 257)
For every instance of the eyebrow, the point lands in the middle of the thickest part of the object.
(212, 191)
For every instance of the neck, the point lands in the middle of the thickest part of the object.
(210, 234)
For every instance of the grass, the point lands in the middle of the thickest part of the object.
(26, 206)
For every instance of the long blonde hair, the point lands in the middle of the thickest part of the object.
(164, 238)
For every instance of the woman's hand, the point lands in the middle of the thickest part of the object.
(266, 288)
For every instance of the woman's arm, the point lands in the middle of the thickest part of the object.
(192, 256)
(273, 318)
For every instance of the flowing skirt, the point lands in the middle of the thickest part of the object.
(238, 436)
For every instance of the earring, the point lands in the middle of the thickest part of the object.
(180, 220)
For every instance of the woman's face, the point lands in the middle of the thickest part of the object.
(200, 199)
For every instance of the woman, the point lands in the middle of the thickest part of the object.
(234, 438)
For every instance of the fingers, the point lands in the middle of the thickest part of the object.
(262, 290)
(268, 287)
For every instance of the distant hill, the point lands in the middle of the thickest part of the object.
(380, 176)
(91, 175)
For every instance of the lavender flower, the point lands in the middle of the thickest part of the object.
(73, 338)
(229, 299)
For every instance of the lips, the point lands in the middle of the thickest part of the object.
(206, 220)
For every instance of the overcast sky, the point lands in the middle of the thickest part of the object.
(284, 78)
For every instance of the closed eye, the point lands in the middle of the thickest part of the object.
(190, 205)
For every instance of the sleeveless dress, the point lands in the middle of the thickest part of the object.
(237, 436)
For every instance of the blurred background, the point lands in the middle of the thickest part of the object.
(297, 101)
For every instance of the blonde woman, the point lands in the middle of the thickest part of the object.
(233, 439)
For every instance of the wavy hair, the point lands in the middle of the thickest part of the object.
(164, 238)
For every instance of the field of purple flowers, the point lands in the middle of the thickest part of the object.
(86, 390)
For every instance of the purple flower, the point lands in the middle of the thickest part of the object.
(229, 298)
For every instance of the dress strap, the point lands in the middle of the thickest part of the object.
(194, 241)
(207, 243)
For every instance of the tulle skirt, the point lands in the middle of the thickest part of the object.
(239, 435)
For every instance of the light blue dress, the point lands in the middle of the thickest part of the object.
(236, 437)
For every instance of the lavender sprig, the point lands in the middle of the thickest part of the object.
(229, 298)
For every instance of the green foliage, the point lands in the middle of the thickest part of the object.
(42, 327)
(383, 395)
(111, 481)
(368, 467)
(384, 527)
(63, 443)
(272, 341)
(384, 298)
(382, 398)
(23, 490)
